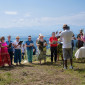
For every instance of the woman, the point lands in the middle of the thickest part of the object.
(4, 53)
(17, 53)
(59, 50)
(53, 46)
(10, 48)
(83, 39)
(29, 45)
(42, 48)
(80, 42)
(0, 56)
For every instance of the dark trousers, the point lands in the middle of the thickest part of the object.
(23, 56)
(11, 56)
(53, 52)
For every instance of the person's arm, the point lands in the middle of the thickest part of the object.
(50, 42)
(27, 45)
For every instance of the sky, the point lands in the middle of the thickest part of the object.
(28, 17)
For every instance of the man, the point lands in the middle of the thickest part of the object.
(66, 37)
(53, 47)
(29, 45)
(10, 49)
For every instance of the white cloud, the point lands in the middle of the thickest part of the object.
(76, 19)
(11, 12)
(27, 15)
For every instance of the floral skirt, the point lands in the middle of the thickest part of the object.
(42, 55)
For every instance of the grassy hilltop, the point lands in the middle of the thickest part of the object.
(45, 74)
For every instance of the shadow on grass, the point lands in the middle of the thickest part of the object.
(80, 70)
(50, 64)
(7, 68)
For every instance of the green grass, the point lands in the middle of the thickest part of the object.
(45, 74)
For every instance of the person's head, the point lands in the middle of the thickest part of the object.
(60, 32)
(66, 27)
(41, 37)
(23, 45)
(3, 39)
(29, 38)
(9, 38)
(81, 31)
(17, 38)
(53, 34)
(56, 32)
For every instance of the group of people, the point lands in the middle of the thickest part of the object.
(61, 44)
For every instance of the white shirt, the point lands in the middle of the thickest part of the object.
(66, 38)
(23, 49)
(16, 43)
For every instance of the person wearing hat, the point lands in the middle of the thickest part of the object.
(42, 48)
(10, 49)
(17, 53)
(66, 37)
(29, 45)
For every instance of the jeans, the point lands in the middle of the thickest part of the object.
(30, 54)
(11, 56)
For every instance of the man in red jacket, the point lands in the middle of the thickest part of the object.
(53, 46)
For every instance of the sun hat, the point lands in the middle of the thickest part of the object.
(17, 37)
(65, 26)
(41, 35)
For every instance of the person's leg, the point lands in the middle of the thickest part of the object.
(31, 55)
(65, 58)
(65, 61)
(58, 57)
(55, 51)
(70, 55)
(28, 54)
(71, 62)
(52, 53)
(11, 56)
(19, 56)
(15, 57)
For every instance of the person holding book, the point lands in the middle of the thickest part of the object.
(17, 54)
(29, 45)
(53, 46)
(42, 48)
(10, 48)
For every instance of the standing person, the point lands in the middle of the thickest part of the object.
(80, 42)
(10, 49)
(59, 48)
(57, 34)
(29, 45)
(53, 46)
(23, 51)
(0, 55)
(17, 53)
(66, 36)
(38, 46)
(42, 48)
(83, 39)
(4, 53)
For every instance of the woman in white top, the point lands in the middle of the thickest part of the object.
(17, 53)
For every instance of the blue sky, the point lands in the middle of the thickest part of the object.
(34, 16)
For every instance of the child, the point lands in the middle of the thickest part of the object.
(23, 51)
